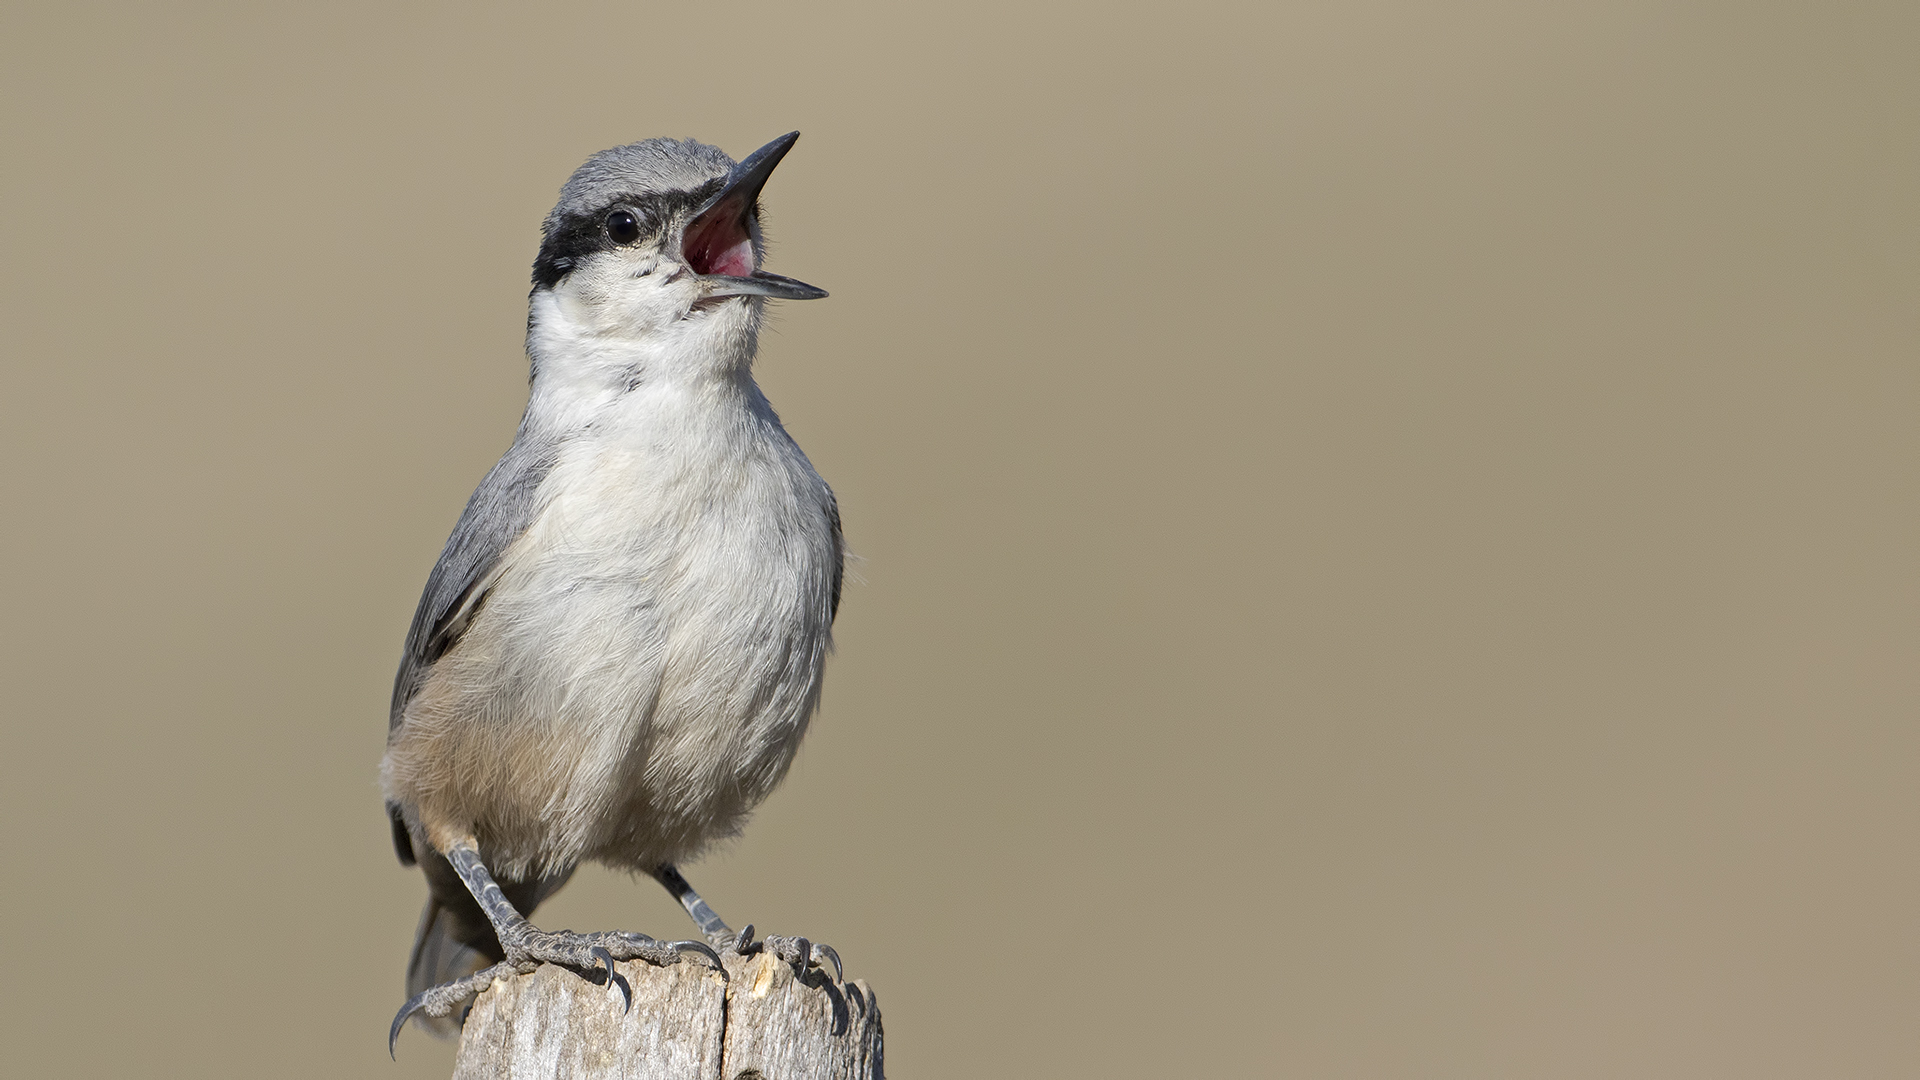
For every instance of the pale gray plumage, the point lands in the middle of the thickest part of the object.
(620, 647)
(495, 516)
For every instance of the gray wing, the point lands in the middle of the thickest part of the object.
(500, 510)
(839, 556)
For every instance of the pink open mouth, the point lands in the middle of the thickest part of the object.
(717, 242)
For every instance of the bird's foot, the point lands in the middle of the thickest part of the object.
(798, 951)
(586, 952)
(582, 953)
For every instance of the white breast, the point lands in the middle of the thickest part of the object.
(655, 644)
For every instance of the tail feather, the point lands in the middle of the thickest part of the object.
(439, 957)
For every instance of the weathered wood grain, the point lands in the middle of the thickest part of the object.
(686, 1023)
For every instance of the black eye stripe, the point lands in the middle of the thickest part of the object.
(567, 239)
(573, 238)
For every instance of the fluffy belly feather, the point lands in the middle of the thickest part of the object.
(639, 677)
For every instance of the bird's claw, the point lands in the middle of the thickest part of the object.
(820, 950)
(400, 1020)
(705, 950)
(603, 958)
(743, 942)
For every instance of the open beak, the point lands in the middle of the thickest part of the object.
(717, 243)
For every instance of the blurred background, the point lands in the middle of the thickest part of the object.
(1388, 530)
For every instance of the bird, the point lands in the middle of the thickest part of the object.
(621, 645)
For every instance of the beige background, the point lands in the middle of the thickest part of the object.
(1390, 529)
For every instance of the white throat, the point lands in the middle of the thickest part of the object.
(585, 363)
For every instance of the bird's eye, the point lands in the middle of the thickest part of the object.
(623, 226)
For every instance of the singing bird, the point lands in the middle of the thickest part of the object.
(618, 652)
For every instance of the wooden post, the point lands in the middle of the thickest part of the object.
(763, 1023)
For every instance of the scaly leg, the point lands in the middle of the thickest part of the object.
(717, 932)
(797, 951)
